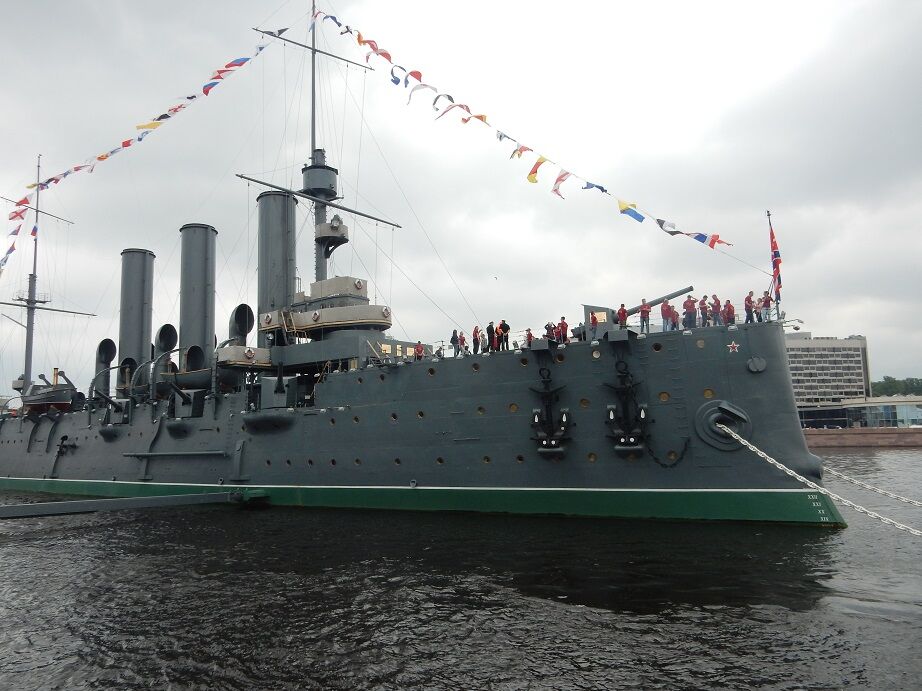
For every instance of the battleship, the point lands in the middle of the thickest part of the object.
(308, 401)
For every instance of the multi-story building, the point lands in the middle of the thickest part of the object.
(825, 371)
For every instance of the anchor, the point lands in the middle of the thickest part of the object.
(628, 419)
(549, 435)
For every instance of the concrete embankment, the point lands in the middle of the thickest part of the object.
(874, 437)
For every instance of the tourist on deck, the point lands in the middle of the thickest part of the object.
(475, 339)
(529, 337)
(703, 309)
(766, 307)
(729, 313)
(622, 317)
(504, 330)
(715, 311)
(644, 316)
(688, 312)
(666, 311)
(490, 333)
(462, 343)
(748, 305)
(593, 324)
(564, 331)
(454, 340)
(674, 318)
(484, 345)
(418, 350)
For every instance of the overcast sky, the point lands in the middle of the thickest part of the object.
(705, 113)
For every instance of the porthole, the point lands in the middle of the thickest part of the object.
(360, 380)
(332, 420)
(584, 403)
(396, 461)
(481, 410)
(559, 357)
(664, 396)
(268, 461)
(657, 347)
(431, 371)
(596, 354)
(672, 455)
(332, 461)
(355, 419)
(708, 393)
(440, 460)
(287, 461)
(486, 459)
(310, 461)
(475, 367)
(524, 362)
(700, 343)
(520, 458)
(513, 407)
(592, 457)
(381, 377)
(358, 461)
(420, 414)
(393, 417)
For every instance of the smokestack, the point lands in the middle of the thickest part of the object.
(135, 313)
(196, 297)
(164, 342)
(277, 269)
(105, 354)
(241, 323)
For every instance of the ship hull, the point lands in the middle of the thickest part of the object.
(785, 506)
(460, 435)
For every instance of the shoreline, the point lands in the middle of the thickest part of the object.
(866, 437)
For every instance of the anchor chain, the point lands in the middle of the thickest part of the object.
(814, 486)
(842, 476)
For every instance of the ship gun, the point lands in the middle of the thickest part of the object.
(608, 316)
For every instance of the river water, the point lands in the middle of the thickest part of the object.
(218, 597)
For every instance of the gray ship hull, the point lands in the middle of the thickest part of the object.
(470, 434)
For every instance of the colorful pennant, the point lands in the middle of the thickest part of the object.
(218, 77)
(625, 208)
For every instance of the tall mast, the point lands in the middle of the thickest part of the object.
(31, 301)
(313, 75)
(319, 178)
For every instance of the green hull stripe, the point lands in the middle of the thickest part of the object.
(795, 506)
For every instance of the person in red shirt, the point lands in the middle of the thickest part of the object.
(622, 317)
(528, 337)
(564, 330)
(688, 309)
(748, 305)
(644, 315)
(593, 324)
(666, 310)
(766, 307)
(729, 313)
(703, 309)
(418, 350)
(715, 311)
(475, 339)
(462, 344)
(674, 318)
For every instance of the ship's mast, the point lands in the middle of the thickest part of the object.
(319, 179)
(31, 300)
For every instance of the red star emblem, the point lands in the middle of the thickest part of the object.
(733, 346)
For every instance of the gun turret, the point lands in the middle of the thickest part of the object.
(608, 317)
(653, 303)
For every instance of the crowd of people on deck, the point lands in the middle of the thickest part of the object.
(712, 312)
(695, 313)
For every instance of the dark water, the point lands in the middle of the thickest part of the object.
(216, 597)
